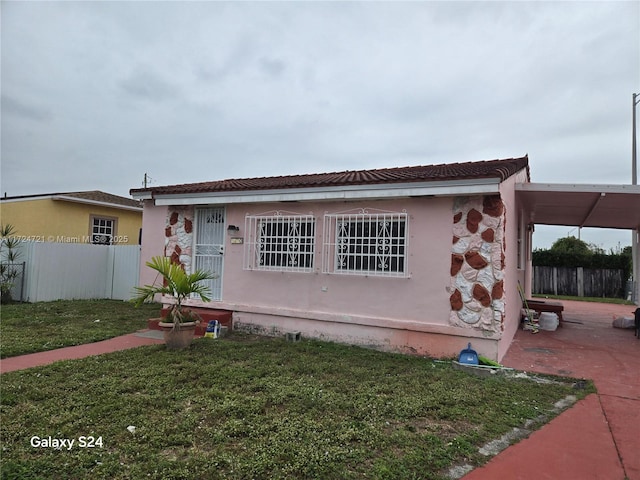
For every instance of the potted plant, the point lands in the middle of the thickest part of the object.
(180, 322)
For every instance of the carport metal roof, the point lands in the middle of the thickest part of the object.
(580, 205)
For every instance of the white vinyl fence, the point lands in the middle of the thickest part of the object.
(71, 271)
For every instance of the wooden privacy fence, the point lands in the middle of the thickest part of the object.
(579, 282)
(71, 271)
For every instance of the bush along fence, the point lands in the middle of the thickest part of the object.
(72, 271)
(13, 287)
(595, 275)
(9, 262)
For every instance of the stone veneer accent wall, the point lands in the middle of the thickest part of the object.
(477, 263)
(178, 234)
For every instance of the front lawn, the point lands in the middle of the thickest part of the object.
(37, 327)
(249, 407)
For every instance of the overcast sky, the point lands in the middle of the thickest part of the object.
(96, 94)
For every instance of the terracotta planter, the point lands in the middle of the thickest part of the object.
(177, 336)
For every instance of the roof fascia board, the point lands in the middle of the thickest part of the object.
(27, 199)
(142, 195)
(355, 192)
(577, 188)
(95, 202)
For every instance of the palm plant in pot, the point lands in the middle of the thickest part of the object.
(180, 322)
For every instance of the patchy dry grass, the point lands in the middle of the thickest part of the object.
(37, 327)
(248, 407)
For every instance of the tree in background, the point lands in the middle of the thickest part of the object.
(618, 258)
(627, 256)
(571, 245)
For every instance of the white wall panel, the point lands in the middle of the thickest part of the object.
(68, 271)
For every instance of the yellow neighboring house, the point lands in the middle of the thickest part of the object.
(75, 217)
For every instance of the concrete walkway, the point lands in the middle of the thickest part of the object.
(123, 342)
(597, 438)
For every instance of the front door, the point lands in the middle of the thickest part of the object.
(209, 246)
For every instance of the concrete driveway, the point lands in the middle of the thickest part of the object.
(599, 437)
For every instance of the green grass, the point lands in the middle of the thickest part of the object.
(37, 327)
(619, 301)
(249, 407)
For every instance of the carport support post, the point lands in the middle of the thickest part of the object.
(634, 158)
(635, 283)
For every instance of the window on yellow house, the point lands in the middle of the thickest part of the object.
(102, 230)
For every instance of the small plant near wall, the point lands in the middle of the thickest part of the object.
(9, 256)
(180, 285)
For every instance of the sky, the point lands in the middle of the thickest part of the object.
(97, 94)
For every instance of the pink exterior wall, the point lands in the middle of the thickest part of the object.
(403, 314)
(414, 314)
(512, 273)
(417, 298)
(153, 242)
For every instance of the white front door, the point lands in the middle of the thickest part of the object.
(209, 246)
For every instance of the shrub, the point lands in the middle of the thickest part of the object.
(8, 257)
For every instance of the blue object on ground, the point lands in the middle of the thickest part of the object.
(468, 356)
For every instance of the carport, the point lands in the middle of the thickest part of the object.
(582, 205)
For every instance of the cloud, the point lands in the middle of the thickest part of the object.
(144, 84)
(272, 67)
(13, 106)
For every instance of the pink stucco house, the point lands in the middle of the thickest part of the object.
(419, 259)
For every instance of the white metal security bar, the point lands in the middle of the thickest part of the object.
(365, 243)
(282, 242)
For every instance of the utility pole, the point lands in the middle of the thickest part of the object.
(147, 180)
(635, 285)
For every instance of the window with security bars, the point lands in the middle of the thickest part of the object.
(373, 244)
(102, 230)
(284, 243)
